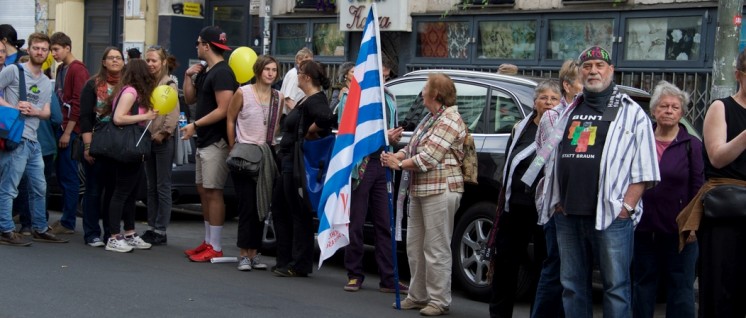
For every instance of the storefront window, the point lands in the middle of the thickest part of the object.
(231, 21)
(663, 39)
(443, 40)
(290, 38)
(328, 40)
(506, 40)
(567, 38)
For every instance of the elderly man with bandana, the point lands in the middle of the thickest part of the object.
(598, 156)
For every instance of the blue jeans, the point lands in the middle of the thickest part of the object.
(578, 240)
(657, 261)
(99, 181)
(158, 172)
(67, 176)
(26, 160)
(548, 302)
(21, 205)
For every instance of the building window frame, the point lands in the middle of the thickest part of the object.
(415, 41)
(706, 38)
(309, 38)
(502, 19)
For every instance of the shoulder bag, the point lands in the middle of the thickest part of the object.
(725, 202)
(245, 158)
(120, 143)
(11, 121)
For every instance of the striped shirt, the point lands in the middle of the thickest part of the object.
(435, 155)
(628, 157)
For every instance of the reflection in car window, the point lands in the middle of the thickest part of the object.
(408, 103)
(470, 100)
(504, 112)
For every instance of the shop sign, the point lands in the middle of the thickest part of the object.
(192, 8)
(393, 15)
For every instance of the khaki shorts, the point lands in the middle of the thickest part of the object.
(211, 171)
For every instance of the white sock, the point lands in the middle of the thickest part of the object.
(215, 232)
(207, 232)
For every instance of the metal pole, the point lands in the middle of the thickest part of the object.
(727, 35)
(267, 26)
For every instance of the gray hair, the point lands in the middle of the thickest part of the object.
(549, 84)
(667, 89)
(342, 72)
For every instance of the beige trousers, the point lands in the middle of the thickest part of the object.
(429, 231)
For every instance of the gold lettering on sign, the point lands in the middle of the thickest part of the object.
(358, 20)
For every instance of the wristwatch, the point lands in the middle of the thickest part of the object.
(400, 164)
(630, 210)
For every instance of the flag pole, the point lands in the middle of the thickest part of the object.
(389, 183)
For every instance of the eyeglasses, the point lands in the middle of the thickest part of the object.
(114, 58)
(545, 98)
(38, 48)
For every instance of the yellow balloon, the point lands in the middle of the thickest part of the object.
(164, 99)
(242, 63)
(48, 62)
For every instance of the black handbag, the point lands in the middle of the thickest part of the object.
(245, 159)
(126, 144)
(725, 202)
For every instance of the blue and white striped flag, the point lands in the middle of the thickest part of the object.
(362, 130)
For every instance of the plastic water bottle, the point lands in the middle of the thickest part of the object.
(182, 120)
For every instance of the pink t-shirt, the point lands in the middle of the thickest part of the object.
(131, 90)
(660, 147)
(252, 121)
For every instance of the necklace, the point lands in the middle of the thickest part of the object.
(264, 102)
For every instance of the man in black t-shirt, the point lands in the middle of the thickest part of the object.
(211, 86)
(604, 161)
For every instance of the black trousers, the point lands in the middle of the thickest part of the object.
(249, 226)
(122, 207)
(722, 277)
(293, 223)
(516, 228)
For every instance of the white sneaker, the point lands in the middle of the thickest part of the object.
(96, 242)
(137, 243)
(255, 264)
(118, 245)
(244, 264)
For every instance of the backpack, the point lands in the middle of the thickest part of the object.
(469, 165)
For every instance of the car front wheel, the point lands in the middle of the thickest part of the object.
(469, 240)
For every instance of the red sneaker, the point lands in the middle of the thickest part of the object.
(206, 255)
(199, 249)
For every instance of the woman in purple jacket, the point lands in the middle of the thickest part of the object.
(657, 259)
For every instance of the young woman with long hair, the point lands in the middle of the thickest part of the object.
(158, 168)
(133, 91)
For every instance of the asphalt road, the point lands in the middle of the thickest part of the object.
(75, 280)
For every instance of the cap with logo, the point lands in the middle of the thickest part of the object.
(215, 36)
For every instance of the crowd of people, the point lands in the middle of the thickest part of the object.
(580, 171)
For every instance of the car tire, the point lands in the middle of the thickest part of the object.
(469, 239)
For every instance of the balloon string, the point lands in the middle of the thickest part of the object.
(143, 133)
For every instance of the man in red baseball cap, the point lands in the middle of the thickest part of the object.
(211, 85)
